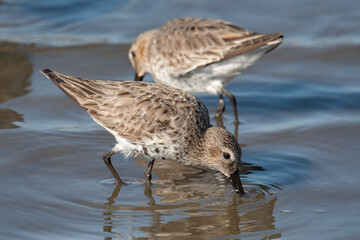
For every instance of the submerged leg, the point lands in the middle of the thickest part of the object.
(149, 169)
(233, 102)
(219, 111)
(107, 161)
(221, 107)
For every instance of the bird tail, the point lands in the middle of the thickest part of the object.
(273, 40)
(76, 88)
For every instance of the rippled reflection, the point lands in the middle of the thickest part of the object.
(14, 80)
(191, 202)
(8, 117)
(108, 215)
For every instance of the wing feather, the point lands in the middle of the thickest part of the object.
(203, 41)
(133, 109)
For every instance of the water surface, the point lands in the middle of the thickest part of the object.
(298, 107)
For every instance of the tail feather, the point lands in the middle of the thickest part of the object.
(254, 41)
(76, 88)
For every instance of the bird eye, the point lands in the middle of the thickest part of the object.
(133, 54)
(226, 155)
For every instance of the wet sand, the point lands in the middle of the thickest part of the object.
(300, 130)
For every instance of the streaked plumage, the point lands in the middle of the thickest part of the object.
(155, 120)
(199, 55)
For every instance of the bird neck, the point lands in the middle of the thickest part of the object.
(200, 149)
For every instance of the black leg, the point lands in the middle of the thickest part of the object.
(107, 161)
(149, 169)
(221, 107)
(236, 131)
(219, 122)
(219, 111)
(233, 102)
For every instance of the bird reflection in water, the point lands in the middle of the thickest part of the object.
(188, 207)
(13, 83)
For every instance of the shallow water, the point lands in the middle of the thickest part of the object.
(299, 108)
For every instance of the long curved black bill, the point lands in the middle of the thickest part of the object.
(236, 182)
(138, 78)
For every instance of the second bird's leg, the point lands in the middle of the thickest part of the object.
(149, 169)
(221, 107)
(233, 102)
(219, 111)
(107, 161)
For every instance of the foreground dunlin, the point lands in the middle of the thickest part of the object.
(157, 121)
(199, 55)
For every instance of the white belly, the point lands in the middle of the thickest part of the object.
(212, 77)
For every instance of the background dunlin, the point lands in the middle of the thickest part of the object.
(299, 109)
(157, 121)
(199, 55)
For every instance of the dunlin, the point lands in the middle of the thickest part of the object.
(199, 55)
(157, 121)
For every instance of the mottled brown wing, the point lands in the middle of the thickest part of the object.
(133, 109)
(190, 43)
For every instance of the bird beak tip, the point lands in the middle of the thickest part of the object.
(236, 182)
(138, 77)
